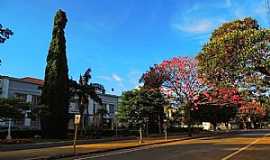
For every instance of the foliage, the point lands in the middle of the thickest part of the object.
(102, 113)
(216, 105)
(55, 89)
(84, 90)
(140, 105)
(252, 109)
(5, 33)
(12, 108)
(127, 105)
(214, 114)
(218, 96)
(177, 78)
(131, 109)
(237, 54)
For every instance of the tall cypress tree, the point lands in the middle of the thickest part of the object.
(55, 89)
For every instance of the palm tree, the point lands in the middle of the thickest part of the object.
(102, 113)
(84, 90)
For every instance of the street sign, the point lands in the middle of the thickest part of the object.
(77, 119)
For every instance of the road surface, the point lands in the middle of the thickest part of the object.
(248, 145)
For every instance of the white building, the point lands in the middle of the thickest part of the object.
(91, 113)
(29, 90)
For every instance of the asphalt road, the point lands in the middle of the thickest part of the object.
(248, 145)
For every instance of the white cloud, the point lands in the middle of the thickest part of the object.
(113, 77)
(199, 26)
(107, 78)
(116, 77)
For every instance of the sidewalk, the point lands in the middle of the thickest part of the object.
(13, 147)
(67, 151)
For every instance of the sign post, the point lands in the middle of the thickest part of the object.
(76, 122)
(9, 129)
(165, 129)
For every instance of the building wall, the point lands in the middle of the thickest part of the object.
(16, 88)
(29, 92)
(91, 112)
(23, 88)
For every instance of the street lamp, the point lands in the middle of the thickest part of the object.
(9, 129)
(116, 124)
(140, 132)
(165, 129)
(146, 120)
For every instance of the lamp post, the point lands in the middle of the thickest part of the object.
(165, 129)
(140, 132)
(141, 139)
(9, 129)
(116, 124)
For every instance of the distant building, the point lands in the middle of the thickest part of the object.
(92, 113)
(29, 90)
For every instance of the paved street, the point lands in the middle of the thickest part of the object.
(249, 145)
(67, 150)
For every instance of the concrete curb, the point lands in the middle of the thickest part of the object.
(120, 148)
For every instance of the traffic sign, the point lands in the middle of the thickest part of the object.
(77, 119)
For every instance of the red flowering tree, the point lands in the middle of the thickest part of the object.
(216, 105)
(177, 79)
(251, 112)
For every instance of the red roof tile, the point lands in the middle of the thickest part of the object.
(33, 80)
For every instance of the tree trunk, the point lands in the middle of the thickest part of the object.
(141, 136)
(159, 125)
(189, 129)
(214, 126)
(189, 121)
(82, 128)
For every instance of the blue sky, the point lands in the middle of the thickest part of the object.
(118, 39)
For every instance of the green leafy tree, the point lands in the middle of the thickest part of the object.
(12, 109)
(154, 100)
(237, 54)
(102, 113)
(131, 110)
(55, 89)
(142, 106)
(5, 33)
(84, 89)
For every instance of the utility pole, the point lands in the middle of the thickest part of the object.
(9, 129)
(141, 138)
(165, 129)
(116, 124)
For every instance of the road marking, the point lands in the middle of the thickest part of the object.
(243, 148)
(116, 153)
(124, 151)
(240, 150)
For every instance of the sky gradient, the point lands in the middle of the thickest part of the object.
(117, 39)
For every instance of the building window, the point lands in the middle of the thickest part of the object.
(94, 108)
(35, 100)
(111, 108)
(22, 97)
